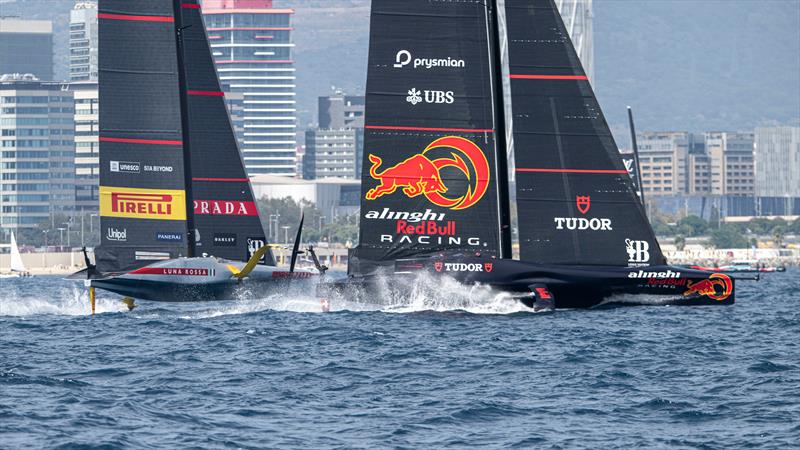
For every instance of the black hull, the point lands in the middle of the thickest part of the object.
(569, 286)
(160, 291)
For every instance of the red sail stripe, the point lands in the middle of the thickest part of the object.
(135, 18)
(609, 171)
(456, 130)
(207, 93)
(244, 180)
(251, 29)
(140, 141)
(190, 6)
(548, 77)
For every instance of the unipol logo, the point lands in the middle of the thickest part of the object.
(114, 234)
(583, 202)
(431, 97)
(638, 251)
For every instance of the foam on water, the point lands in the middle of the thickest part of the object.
(26, 298)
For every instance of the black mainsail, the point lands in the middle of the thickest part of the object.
(430, 178)
(576, 202)
(172, 182)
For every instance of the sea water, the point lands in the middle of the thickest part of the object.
(447, 367)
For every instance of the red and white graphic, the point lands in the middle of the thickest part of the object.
(182, 271)
(225, 208)
(584, 202)
(488, 267)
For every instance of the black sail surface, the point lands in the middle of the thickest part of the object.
(429, 179)
(142, 193)
(225, 213)
(576, 202)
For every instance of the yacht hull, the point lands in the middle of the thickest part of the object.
(562, 286)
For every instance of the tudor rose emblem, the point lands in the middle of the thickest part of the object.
(584, 202)
(488, 267)
(438, 266)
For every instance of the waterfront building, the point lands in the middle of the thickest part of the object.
(37, 157)
(663, 159)
(83, 41)
(335, 147)
(777, 161)
(252, 47)
(731, 163)
(87, 144)
(26, 47)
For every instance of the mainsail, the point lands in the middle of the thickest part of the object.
(576, 202)
(430, 177)
(161, 109)
(225, 213)
(16, 259)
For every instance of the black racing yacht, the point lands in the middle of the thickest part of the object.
(177, 214)
(438, 166)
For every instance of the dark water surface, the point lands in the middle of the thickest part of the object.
(278, 373)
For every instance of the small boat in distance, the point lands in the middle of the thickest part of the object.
(18, 268)
(178, 217)
(438, 168)
(741, 266)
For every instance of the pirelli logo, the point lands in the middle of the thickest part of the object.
(135, 203)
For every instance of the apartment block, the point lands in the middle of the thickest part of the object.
(731, 163)
(26, 47)
(777, 161)
(83, 42)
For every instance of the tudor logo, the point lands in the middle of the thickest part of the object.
(584, 202)
(638, 251)
(438, 265)
(488, 267)
(579, 223)
(114, 234)
(431, 97)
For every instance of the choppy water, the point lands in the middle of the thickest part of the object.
(463, 369)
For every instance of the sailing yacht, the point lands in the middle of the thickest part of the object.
(177, 214)
(18, 268)
(436, 194)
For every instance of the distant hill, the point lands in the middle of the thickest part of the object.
(689, 65)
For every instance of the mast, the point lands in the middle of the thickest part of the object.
(187, 153)
(503, 201)
(636, 158)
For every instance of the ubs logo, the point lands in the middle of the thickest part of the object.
(427, 96)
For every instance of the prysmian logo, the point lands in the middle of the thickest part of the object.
(115, 234)
(125, 166)
(225, 239)
(169, 237)
(403, 58)
(433, 97)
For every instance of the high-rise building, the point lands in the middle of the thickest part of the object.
(731, 163)
(83, 41)
(335, 148)
(663, 159)
(26, 47)
(36, 151)
(252, 47)
(87, 144)
(777, 161)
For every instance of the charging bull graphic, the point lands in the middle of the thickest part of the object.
(420, 175)
(718, 287)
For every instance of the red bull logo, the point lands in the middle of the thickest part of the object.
(717, 287)
(420, 175)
